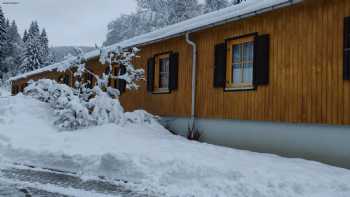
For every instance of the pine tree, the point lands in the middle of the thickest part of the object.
(15, 48)
(213, 5)
(33, 50)
(2, 25)
(44, 44)
(7, 23)
(32, 56)
(3, 41)
(34, 30)
(25, 36)
(7, 47)
(37, 52)
(14, 36)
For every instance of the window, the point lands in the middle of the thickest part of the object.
(119, 84)
(240, 60)
(242, 63)
(162, 66)
(162, 73)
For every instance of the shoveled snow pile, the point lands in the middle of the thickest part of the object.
(151, 159)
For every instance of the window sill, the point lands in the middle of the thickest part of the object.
(161, 91)
(236, 89)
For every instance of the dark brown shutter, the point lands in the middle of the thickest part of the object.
(150, 74)
(107, 70)
(261, 60)
(14, 92)
(346, 63)
(116, 73)
(122, 82)
(88, 78)
(220, 65)
(173, 71)
(66, 79)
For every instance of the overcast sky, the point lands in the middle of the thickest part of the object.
(69, 22)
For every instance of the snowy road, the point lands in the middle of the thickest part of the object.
(27, 181)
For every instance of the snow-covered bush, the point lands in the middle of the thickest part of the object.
(71, 111)
(47, 90)
(106, 109)
(83, 105)
(72, 114)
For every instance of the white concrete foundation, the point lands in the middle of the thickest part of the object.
(327, 144)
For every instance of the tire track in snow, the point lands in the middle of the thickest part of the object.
(49, 182)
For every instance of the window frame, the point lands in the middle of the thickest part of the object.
(156, 82)
(230, 86)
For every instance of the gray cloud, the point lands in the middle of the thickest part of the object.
(69, 22)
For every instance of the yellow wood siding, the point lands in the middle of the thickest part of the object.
(178, 102)
(306, 83)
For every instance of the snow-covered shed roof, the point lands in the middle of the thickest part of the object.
(233, 13)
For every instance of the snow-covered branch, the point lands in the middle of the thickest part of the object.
(123, 59)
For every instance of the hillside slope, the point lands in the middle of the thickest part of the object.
(60, 52)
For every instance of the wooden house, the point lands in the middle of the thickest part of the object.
(268, 76)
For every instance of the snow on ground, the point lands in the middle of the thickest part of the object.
(152, 159)
(4, 92)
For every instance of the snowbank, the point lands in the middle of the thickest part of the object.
(152, 159)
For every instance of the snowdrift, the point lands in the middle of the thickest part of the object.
(151, 159)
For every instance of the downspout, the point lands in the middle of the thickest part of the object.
(194, 78)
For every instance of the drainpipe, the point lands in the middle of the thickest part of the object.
(194, 71)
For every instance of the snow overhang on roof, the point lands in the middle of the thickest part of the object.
(232, 13)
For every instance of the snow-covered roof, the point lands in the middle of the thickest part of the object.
(232, 13)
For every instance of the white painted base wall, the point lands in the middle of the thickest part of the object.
(327, 144)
